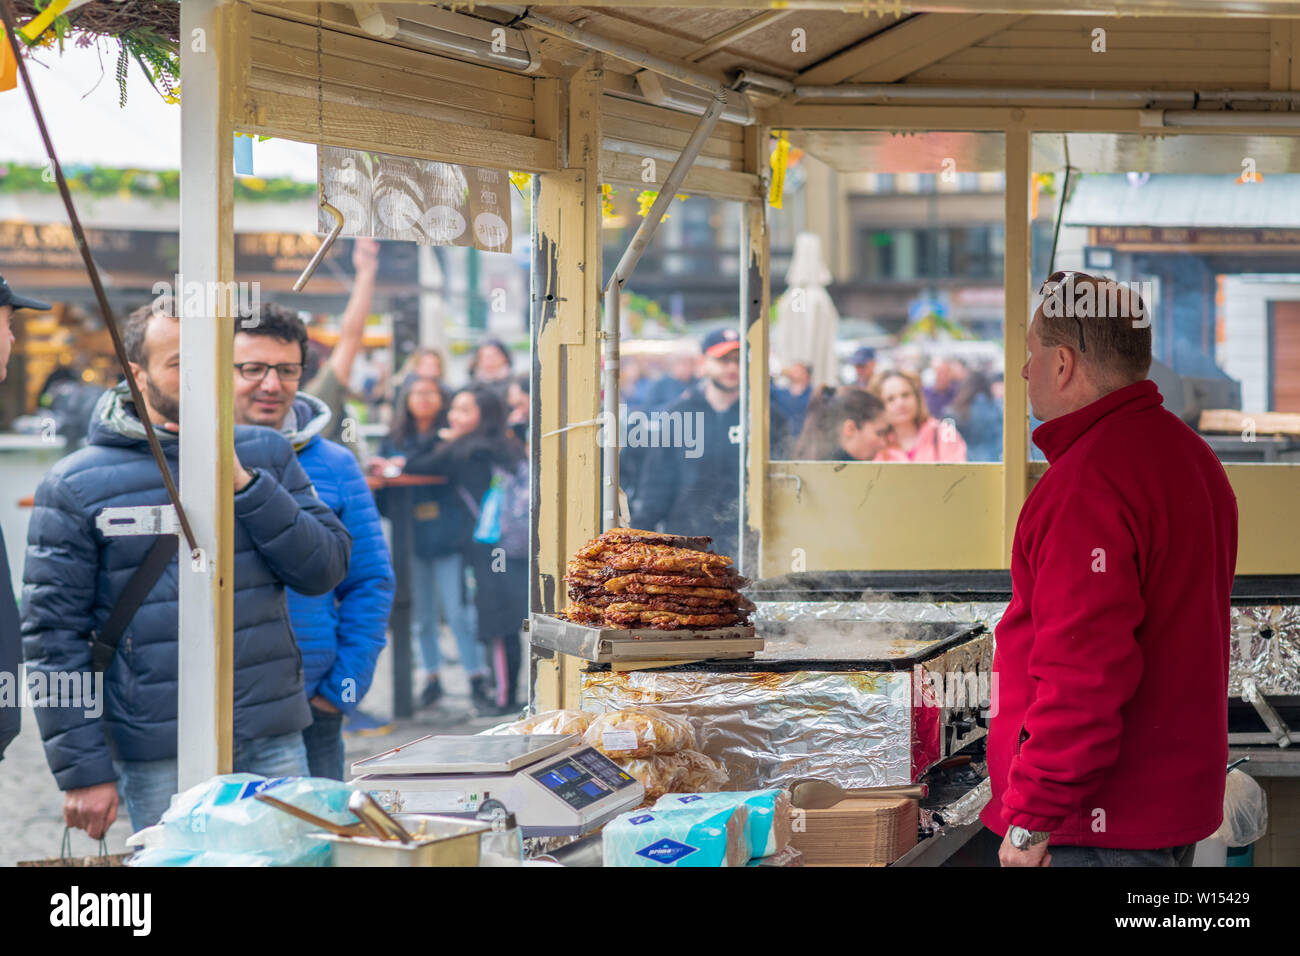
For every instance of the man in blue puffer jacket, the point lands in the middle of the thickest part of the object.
(284, 536)
(340, 633)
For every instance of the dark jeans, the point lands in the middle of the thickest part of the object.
(1104, 856)
(324, 741)
(146, 786)
(982, 850)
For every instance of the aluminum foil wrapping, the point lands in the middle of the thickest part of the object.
(987, 613)
(770, 729)
(1265, 645)
(966, 809)
(1264, 641)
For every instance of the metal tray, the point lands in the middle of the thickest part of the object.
(452, 842)
(609, 644)
(841, 646)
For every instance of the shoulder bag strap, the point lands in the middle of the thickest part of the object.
(104, 641)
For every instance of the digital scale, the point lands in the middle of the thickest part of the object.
(551, 783)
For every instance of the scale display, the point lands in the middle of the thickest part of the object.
(583, 778)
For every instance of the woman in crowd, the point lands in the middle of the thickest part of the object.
(424, 362)
(491, 363)
(475, 442)
(979, 418)
(917, 435)
(519, 407)
(842, 424)
(442, 532)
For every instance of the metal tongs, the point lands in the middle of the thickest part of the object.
(376, 818)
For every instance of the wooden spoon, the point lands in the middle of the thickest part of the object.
(350, 830)
(810, 793)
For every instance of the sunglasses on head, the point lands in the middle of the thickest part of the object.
(1052, 287)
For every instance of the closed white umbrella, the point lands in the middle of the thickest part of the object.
(807, 322)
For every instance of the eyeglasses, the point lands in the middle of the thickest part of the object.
(1052, 287)
(256, 371)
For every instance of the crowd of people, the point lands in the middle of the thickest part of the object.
(940, 411)
(909, 408)
(314, 581)
(313, 574)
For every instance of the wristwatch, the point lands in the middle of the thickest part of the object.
(1023, 839)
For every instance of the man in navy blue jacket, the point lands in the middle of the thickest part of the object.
(74, 575)
(10, 641)
(342, 632)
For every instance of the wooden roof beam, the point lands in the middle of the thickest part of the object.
(903, 49)
(720, 41)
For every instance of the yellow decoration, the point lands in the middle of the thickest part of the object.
(606, 201)
(780, 162)
(174, 96)
(521, 181)
(8, 68)
(646, 198)
(36, 26)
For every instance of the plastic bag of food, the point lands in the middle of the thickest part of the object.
(552, 722)
(712, 836)
(659, 773)
(1245, 811)
(769, 814)
(639, 732)
(700, 773)
(219, 823)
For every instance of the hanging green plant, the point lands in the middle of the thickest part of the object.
(148, 183)
(639, 309)
(146, 31)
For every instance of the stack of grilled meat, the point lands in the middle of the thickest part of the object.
(644, 579)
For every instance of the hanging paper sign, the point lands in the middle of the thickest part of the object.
(398, 197)
(243, 155)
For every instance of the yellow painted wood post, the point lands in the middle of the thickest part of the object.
(1016, 290)
(755, 290)
(567, 361)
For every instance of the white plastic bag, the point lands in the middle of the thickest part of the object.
(1245, 811)
(218, 823)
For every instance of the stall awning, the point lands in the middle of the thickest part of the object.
(1186, 201)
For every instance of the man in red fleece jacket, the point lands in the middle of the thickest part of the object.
(1110, 742)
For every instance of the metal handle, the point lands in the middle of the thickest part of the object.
(376, 817)
(324, 246)
(330, 826)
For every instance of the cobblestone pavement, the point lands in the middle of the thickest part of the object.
(31, 805)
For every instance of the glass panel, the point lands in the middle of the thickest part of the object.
(906, 235)
(680, 439)
(1206, 230)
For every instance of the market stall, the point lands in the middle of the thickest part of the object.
(581, 98)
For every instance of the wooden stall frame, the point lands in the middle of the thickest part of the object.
(943, 515)
(970, 508)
